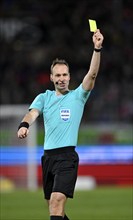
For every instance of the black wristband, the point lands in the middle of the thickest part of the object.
(23, 124)
(97, 50)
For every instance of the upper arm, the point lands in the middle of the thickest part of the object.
(88, 82)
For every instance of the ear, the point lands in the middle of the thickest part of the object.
(51, 77)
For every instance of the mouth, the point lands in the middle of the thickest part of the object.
(61, 84)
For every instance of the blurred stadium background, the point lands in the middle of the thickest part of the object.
(32, 34)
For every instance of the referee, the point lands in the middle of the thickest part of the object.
(62, 111)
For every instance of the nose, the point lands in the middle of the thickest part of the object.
(61, 78)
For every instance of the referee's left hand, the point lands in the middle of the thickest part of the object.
(97, 39)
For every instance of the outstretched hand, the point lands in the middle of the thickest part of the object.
(97, 39)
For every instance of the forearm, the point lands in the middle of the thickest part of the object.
(29, 118)
(94, 65)
(89, 79)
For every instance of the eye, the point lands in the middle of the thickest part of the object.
(58, 75)
(65, 74)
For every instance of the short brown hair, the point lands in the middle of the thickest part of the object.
(58, 61)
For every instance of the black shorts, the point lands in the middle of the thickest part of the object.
(60, 167)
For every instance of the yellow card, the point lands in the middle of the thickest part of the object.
(93, 25)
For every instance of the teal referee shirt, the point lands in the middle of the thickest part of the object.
(62, 116)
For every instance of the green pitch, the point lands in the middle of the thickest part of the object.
(103, 203)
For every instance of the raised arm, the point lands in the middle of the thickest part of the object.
(89, 79)
(28, 119)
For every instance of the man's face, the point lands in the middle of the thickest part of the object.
(60, 77)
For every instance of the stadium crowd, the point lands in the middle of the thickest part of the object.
(33, 33)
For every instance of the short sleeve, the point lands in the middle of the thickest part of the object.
(38, 103)
(82, 93)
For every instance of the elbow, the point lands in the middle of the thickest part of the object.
(93, 77)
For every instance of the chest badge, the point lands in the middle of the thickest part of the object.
(65, 114)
